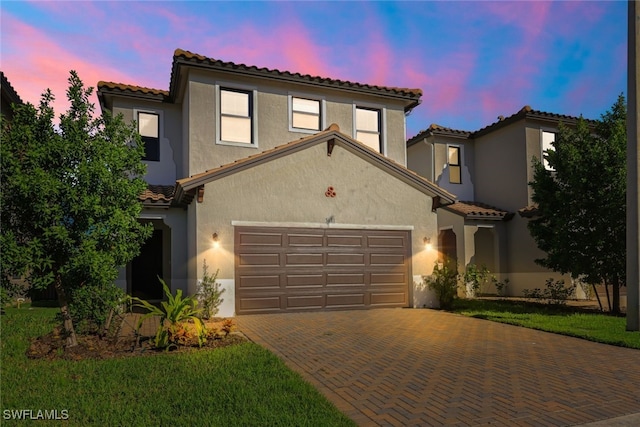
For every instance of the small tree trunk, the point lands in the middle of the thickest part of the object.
(595, 290)
(606, 288)
(67, 323)
(616, 294)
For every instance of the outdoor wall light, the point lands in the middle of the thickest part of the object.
(216, 243)
(427, 243)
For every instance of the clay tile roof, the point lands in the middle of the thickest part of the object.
(185, 57)
(157, 194)
(477, 210)
(9, 90)
(130, 88)
(434, 129)
(529, 211)
(527, 112)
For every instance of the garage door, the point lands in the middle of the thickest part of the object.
(296, 269)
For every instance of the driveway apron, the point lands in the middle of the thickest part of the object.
(401, 367)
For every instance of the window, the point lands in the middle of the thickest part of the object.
(453, 157)
(548, 138)
(305, 113)
(236, 111)
(149, 130)
(368, 127)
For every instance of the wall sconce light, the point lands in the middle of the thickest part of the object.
(427, 243)
(216, 243)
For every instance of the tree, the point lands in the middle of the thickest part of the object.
(69, 196)
(581, 201)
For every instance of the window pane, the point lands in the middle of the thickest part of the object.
(454, 155)
(306, 121)
(235, 129)
(306, 105)
(370, 139)
(234, 103)
(454, 174)
(148, 124)
(367, 120)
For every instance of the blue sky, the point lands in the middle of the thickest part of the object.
(474, 60)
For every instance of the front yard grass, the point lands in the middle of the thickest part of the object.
(238, 385)
(592, 326)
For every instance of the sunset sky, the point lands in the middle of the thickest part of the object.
(473, 60)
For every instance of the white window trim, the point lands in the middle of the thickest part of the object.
(323, 110)
(160, 114)
(383, 123)
(460, 160)
(254, 119)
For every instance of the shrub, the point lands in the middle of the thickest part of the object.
(90, 305)
(209, 293)
(444, 282)
(501, 287)
(476, 279)
(555, 292)
(179, 319)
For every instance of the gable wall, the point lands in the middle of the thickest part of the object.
(291, 189)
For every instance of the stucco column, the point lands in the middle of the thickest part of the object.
(633, 177)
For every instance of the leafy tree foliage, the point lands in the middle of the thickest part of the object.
(581, 201)
(69, 196)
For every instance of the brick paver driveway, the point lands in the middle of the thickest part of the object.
(425, 367)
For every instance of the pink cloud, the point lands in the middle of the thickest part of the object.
(33, 62)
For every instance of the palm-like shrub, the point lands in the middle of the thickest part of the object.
(177, 314)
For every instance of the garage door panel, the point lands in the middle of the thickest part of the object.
(260, 239)
(388, 298)
(307, 302)
(305, 240)
(259, 282)
(345, 300)
(345, 279)
(264, 260)
(259, 304)
(345, 259)
(297, 259)
(297, 269)
(345, 241)
(304, 281)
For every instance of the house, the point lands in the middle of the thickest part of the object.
(9, 96)
(489, 170)
(294, 187)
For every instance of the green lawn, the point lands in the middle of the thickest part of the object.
(238, 385)
(591, 326)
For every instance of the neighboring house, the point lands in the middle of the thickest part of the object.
(9, 96)
(295, 187)
(489, 171)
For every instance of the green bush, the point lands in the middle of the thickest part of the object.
(209, 293)
(175, 316)
(555, 292)
(444, 282)
(90, 306)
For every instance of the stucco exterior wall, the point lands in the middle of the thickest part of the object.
(420, 158)
(464, 190)
(292, 189)
(501, 168)
(169, 168)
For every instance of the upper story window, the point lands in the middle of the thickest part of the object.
(548, 138)
(368, 125)
(236, 115)
(149, 130)
(453, 160)
(306, 114)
